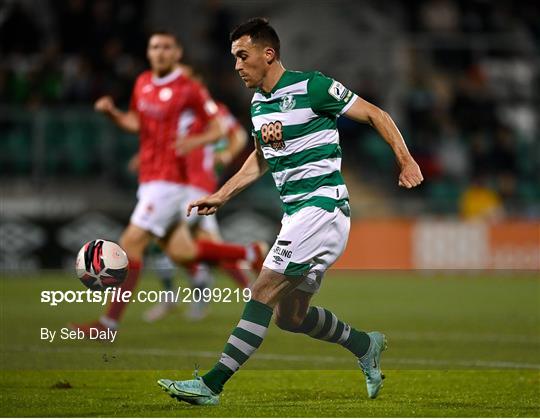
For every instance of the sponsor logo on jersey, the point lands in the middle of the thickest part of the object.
(165, 94)
(277, 144)
(287, 103)
(272, 134)
(153, 109)
(282, 252)
(147, 88)
(337, 90)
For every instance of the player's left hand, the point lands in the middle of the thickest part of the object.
(410, 175)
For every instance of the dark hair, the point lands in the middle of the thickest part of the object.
(260, 31)
(162, 32)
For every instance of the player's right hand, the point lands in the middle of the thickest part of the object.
(207, 205)
(104, 104)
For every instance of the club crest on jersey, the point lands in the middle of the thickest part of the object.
(165, 94)
(287, 103)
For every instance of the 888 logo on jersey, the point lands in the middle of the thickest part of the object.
(272, 134)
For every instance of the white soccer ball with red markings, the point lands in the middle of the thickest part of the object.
(101, 264)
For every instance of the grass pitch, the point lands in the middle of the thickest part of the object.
(459, 345)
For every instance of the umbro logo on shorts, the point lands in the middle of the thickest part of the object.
(277, 259)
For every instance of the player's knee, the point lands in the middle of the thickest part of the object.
(181, 254)
(134, 248)
(262, 293)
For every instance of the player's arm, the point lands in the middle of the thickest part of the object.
(237, 139)
(214, 131)
(254, 167)
(363, 111)
(128, 121)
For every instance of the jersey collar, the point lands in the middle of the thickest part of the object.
(283, 81)
(160, 81)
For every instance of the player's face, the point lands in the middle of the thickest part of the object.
(163, 53)
(252, 61)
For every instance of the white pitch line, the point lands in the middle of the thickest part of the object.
(464, 337)
(277, 357)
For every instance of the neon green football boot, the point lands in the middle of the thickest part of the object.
(191, 391)
(370, 363)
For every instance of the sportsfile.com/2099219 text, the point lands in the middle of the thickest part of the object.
(181, 295)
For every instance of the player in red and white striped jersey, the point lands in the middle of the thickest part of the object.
(161, 98)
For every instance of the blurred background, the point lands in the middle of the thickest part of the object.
(460, 78)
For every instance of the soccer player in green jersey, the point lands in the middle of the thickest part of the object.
(294, 118)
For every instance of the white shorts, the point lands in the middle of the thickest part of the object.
(207, 223)
(309, 242)
(159, 206)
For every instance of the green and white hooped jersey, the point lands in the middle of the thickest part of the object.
(296, 126)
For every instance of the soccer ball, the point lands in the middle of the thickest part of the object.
(101, 264)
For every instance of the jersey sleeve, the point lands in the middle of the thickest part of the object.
(328, 96)
(134, 93)
(230, 122)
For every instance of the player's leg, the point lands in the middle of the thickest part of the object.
(294, 314)
(321, 241)
(165, 271)
(211, 248)
(180, 247)
(184, 250)
(309, 242)
(208, 229)
(269, 287)
(156, 210)
(248, 335)
(134, 241)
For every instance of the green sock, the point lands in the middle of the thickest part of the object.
(244, 340)
(324, 325)
(167, 283)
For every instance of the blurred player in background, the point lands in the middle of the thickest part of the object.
(294, 116)
(218, 151)
(163, 99)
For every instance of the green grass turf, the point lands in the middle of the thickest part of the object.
(276, 393)
(459, 345)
